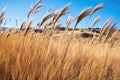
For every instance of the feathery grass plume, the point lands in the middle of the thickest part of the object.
(96, 20)
(57, 25)
(47, 24)
(44, 19)
(35, 8)
(69, 21)
(2, 17)
(99, 6)
(37, 4)
(110, 31)
(23, 24)
(27, 27)
(105, 27)
(55, 14)
(60, 12)
(83, 14)
(29, 11)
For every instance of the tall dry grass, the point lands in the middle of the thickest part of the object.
(45, 56)
(29, 55)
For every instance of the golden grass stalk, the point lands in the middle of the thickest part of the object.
(23, 24)
(105, 26)
(47, 24)
(35, 8)
(69, 21)
(44, 19)
(96, 20)
(83, 14)
(27, 27)
(2, 15)
(37, 3)
(99, 6)
(55, 14)
(108, 29)
(110, 33)
(29, 11)
(57, 25)
(60, 12)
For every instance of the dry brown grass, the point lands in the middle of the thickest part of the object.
(59, 55)
(45, 56)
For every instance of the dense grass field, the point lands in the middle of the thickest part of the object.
(52, 52)
(57, 56)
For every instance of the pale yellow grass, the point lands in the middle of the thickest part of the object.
(49, 56)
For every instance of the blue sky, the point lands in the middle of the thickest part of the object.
(17, 9)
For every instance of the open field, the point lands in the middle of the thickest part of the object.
(57, 56)
(52, 52)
